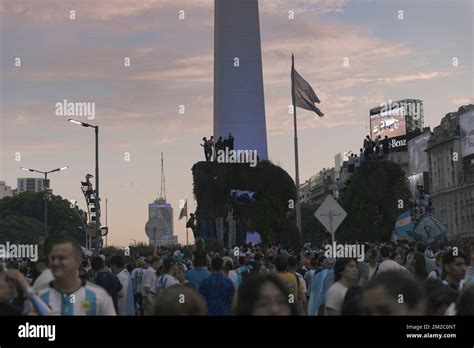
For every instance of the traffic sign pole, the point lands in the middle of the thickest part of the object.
(331, 215)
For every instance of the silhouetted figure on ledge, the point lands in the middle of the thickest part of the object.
(220, 144)
(192, 225)
(207, 151)
(230, 141)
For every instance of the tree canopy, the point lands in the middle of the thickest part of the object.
(22, 218)
(371, 201)
(273, 188)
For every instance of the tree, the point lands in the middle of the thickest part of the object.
(20, 230)
(371, 201)
(273, 188)
(312, 229)
(22, 218)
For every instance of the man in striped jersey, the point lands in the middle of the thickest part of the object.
(67, 294)
(167, 279)
(125, 301)
(137, 279)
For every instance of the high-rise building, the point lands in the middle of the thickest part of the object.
(160, 213)
(164, 212)
(239, 104)
(451, 172)
(5, 191)
(31, 184)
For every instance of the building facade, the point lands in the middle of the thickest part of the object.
(315, 190)
(305, 192)
(451, 177)
(400, 158)
(31, 184)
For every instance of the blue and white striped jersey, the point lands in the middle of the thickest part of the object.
(125, 303)
(163, 282)
(137, 278)
(89, 299)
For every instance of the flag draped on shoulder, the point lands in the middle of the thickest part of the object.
(303, 94)
(184, 210)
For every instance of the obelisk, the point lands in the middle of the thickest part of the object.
(239, 104)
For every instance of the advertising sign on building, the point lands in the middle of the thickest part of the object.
(418, 158)
(388, 123)
(466, 125)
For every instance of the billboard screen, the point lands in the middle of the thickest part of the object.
(417, 157)
(388, 123)
(466, 125)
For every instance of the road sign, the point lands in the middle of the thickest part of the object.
(330, 214)
(155, 228)
(92, 231)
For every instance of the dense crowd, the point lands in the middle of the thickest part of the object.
(392, 279)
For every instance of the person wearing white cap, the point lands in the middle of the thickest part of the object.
(230, 273)
(181, 270)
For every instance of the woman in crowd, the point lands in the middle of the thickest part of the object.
(263, 295)
(345, 272)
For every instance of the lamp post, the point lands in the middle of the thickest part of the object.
(45, 191)
(96, 204)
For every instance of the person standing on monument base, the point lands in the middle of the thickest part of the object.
(212, 150)
(219, 145)
(231, 141)
(205, 145)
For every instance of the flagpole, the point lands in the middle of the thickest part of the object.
(297, 174)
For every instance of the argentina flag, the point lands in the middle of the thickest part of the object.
(403, 228)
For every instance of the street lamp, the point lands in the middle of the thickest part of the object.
(44, 188)
(96, 203)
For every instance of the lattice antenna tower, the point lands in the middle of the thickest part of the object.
(163, 181)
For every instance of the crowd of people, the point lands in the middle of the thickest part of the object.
(212, 147)
(394, 278)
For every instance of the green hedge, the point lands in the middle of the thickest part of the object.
(273, 189)
(371, 201)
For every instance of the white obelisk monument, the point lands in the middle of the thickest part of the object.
(239, 104)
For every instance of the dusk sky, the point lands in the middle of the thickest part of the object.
(171, 64)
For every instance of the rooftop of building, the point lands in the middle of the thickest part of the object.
(448, 127)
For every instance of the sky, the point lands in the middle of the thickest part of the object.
(394, 50)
